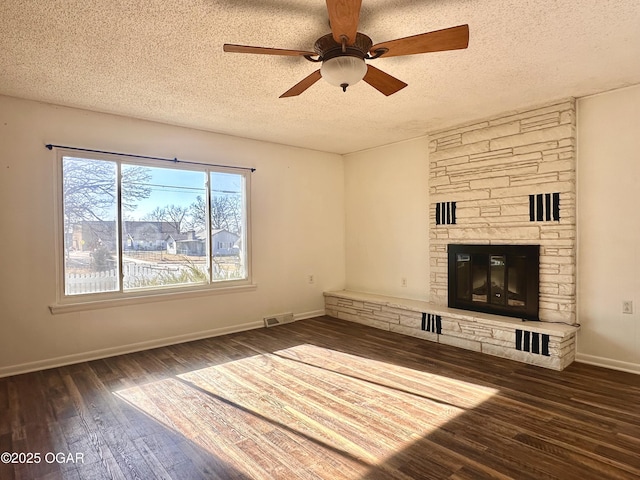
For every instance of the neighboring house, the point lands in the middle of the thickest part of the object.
(89, 235)
(137, 235)
(142, 235)
(189, 243)
(223, 243)
(153, 236)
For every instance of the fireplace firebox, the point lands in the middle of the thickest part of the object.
(498, 279)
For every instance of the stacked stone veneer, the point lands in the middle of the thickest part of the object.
(489, 182)
(543, 344)
(490, 169)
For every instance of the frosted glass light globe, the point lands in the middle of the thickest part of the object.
(343, 71)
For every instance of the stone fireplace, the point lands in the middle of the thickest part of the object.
(497, 188)
(508, 180)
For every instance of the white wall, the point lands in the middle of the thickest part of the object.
(298, 229)
(608, 206)
(300, 199)
(386, 202)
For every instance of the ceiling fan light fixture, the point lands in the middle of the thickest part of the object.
(343, 71)
(343, 51)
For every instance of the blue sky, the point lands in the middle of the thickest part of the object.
(181, 187)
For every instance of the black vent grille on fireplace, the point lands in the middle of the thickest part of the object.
(446, 213)
(498, 279)
(544, 207)
(532, 342)
(431, 323)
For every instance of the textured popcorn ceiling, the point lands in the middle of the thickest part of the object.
(163, 60)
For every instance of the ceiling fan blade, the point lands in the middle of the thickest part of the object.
(454, 38)
(227, 47)
(343, 18)
(301, 86)
(383, 82)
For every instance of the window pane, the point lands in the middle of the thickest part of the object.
(90, 239)
(162, 234)
(163, 231)
(228, 227)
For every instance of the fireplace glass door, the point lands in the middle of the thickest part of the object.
(501, 279)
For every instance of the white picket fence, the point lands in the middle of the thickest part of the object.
(107, 280)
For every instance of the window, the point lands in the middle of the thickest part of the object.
(135, 226)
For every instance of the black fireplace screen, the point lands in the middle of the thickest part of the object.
(500, 279)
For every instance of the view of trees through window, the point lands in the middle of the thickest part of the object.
(164, 233)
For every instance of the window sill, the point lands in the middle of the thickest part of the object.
(137, 298)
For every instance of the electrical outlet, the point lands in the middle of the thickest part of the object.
(627, 306)
(403, 282)
(311, 279)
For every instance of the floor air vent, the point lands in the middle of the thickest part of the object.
(273, 320)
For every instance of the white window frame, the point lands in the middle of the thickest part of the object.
(78, 302)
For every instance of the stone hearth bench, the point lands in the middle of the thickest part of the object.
(550, 345)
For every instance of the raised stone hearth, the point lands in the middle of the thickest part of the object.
(543, 344)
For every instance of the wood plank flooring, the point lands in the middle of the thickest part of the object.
(320, 399)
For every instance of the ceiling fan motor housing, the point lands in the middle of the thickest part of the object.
(326, 47)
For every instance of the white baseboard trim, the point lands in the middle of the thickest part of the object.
(130, 348)
(608, 363)
(306, 315)
(137, 347)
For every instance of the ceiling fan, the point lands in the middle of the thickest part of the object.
(343, 51)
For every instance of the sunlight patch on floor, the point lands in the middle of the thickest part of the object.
(313, 401)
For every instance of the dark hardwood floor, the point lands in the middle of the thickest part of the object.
(319, 399)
